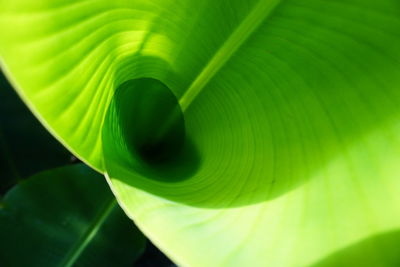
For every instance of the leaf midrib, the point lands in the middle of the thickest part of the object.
(89, 234)
(246, 28)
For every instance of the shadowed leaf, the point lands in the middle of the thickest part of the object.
(66, 217)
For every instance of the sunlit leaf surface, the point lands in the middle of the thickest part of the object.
(248, 133)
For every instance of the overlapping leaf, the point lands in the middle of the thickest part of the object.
(52, 219)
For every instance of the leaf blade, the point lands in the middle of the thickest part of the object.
(48, 220)
(296, 132)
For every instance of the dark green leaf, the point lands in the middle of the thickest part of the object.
(66, 217)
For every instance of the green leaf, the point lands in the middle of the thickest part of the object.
(66, 217)
(387, 245)
(290, 111)
(25, 146)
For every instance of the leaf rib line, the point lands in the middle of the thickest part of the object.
(245, 29)
(77, 250)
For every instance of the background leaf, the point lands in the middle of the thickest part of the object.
(67, 217)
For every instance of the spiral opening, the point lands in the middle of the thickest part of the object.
(145, 127)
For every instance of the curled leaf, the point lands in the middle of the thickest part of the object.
(286, 125)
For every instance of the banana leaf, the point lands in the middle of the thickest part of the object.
(234, 133)
(66, 217)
